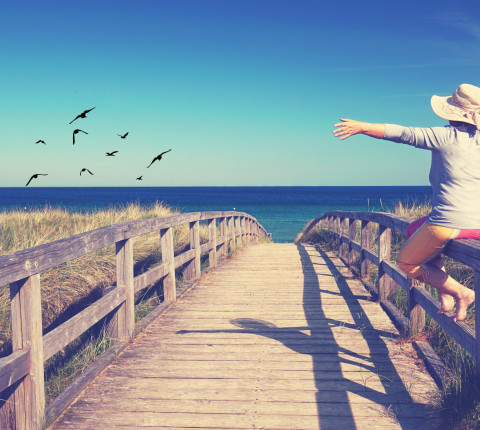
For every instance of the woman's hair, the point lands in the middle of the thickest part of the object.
(459, 124)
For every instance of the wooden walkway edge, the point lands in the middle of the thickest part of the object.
(278, 337)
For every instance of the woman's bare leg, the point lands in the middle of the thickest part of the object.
(447, 286)
(420, 259)
(447, 300)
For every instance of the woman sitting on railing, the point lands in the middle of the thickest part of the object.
(455, 180)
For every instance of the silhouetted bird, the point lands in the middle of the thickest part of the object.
(124, 136)
(85, 170)
(41, 141)
(158, 157)
(36, 176)
(75, 132)
(111, 154)
(82, 115)
(140, 178)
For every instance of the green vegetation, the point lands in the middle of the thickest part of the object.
(459, 403)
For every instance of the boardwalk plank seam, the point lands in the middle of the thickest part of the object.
(287, 361)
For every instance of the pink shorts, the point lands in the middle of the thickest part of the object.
(464, 234)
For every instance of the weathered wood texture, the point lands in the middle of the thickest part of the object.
(27, 335)
(419, 300)
(22, 264)
(22, 380)
(276, 337)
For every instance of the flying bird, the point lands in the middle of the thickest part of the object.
(158, 157)
(140, 178)
(75, 132)
(124, 136)
(36, 176)
(111, 154)
(82, 115)
(40, 141)
(85, 170)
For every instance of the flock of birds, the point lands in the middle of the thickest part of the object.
(108, 154)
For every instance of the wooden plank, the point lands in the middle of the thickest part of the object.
(21, 264)
(460, 331)
(239, 420)
(371, 256)
(13, 367)
(396, 274)
(169, 288)
(65, 333)
(385, 289)
(365, 230)
(206, 247)
(183, 258)
(212, 238)
(281, 362)
(352, 234)
(150, 277)
(124, 270)
(193, 271)
(433, 362)
(223, 237)
(27, 335)
(67, 396)
(415, 313)
(233, 232)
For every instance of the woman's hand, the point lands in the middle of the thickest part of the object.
(350, 127)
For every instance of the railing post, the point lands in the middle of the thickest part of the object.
(124, 262)
(365, 242)
(238, 232)
(242, 230)
(477, 325)
(248, 229)
(223, 232)
(233, 233)
(26, 310)
(343, 230)
(415, 313)
(212, 238)
(352, 235)
(336, 229)
(169, 287)
(384, 254)
(192, 269)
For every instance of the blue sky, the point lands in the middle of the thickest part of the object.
(243, 92)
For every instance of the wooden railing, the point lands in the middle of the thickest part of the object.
(344, 226)
(22, 372)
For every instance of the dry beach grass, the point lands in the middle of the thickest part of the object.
(71, 287)
(460, 400)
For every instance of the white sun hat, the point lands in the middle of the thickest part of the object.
(463, 105)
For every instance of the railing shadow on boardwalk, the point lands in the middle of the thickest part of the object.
(328, 369)
(319, 326)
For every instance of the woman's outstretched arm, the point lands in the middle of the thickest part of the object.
(350, 127)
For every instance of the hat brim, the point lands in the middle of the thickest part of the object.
(446, 110)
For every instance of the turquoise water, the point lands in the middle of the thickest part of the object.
(283, 211)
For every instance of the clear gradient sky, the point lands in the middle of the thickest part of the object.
(243, 92)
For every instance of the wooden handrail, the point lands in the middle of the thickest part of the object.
(22, 371)
(419, 299)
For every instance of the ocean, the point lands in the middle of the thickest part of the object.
(283, 211)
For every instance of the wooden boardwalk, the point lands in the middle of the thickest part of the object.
(278, 337)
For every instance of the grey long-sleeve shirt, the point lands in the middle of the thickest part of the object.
(454, 172)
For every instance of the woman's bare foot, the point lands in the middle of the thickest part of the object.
(462, 301)
(448, 302)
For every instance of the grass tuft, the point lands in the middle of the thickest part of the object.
(71, 287)
(459, 403)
